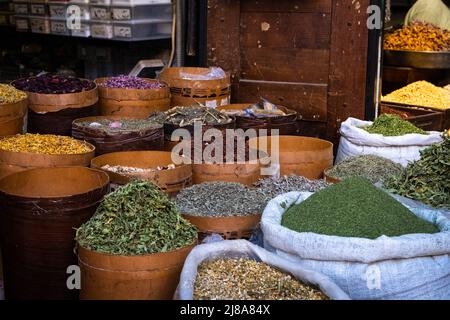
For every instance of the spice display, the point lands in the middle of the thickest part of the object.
(392, 125)
(354, 208)
(275, 187)
(43, 144)
(418, 36)
(129, 82)
(136, 219)
(221, 199)
(9, 94)
(133, 170)
(422, 94)
(428, 179)
(247, 279)
(53, 84)
(186, 116)
(374, 168)
(123, 125)
(262, 109)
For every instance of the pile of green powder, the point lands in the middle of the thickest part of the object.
(354, 208)
(392, 125)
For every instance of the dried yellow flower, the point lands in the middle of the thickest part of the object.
(9, 94)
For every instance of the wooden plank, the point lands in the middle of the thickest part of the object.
(290, 65)
(285, 30)
(286, 5)
(310, 101)
(348, 64)
(223, 35)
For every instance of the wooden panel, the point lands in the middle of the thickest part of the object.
(223, 35)
(291, 65)
(310, 101)
(348, 64)
(285, 30)
(312, 129)
(286, 5)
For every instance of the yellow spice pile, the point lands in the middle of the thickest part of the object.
(421, 93)
(43, 144)
(9, 94)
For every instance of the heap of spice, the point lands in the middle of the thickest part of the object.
(247, 279)
(421, 94)
(53, 84)
(44, 144)
(418, 36)
(129, 82)
(9, 94)
(428, 179)
(221, 199)
(136, 219)
(374, 168)
(123, 125)
(187, 116)
(354, 208)
(391, 125)
(133, 170)
(275, 187)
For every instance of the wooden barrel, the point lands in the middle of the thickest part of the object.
(12, 117)
(136, 103)
(230, 228)
(245, 173)
(184, 92)
(54, 113)
(116, 277)
(105, 142)
(40, 210)
(169, 181)
(302, 156)
(12, 162)
(285, 124)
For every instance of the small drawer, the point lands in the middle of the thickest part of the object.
(21, 8)
(84, 30)
(38, 9)
(40, 25)
(100, 12)
(59, 26)
(142, 12)
(101, 30)
(142, 30)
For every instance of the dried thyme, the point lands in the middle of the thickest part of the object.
(246, 279)
(221, 199)
(374, 168)
(354, 208)
(136, 219)
(186, 116)
(428, 179)
(124, 125)
(392, 125)
(274, 187)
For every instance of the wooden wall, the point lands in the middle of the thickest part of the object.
(309, 55)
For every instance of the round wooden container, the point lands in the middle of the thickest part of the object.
(136, 103)
(12, 117)
(245, 173)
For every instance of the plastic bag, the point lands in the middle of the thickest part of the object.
(415, 266)
(212, 74)
(242, 248)
(402, 149)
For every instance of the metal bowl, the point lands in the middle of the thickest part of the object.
(417, 59)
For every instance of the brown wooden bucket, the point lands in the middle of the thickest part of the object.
(230, 228)
(212, 93)
(40, 210)
(54, 113)
(149, 139)
(115, 277)
(303, 156)
(12, 162)
(286, 125)
(245, 173)
(169, 181)
(12, 117)
(137, 103)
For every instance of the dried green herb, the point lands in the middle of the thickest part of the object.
(247, 279)
(136, 219)
(354, 208)
(428, 179)
(221, 199)
(186, 116)
(274, 187)
(123, 125)
(374, 168)
(392, 125)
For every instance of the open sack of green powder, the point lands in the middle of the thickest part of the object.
(371, 245)
(394, 139)
(240, 270)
